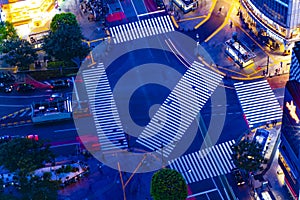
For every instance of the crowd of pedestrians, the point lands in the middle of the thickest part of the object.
(94, 9)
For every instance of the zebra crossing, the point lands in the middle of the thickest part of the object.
(178, 111)
(141, 29)
(206, 163)
(258, 102)
(104, 110)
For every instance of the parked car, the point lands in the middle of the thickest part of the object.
(24, 87)
(238, 177)
(60, 84)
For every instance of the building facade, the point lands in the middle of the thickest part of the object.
(278, 20)
(289, 150)
(29, 16)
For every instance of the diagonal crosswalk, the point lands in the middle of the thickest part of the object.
(209, 162)
(258, 102)
(106, 117)
(179, 110)
(141, 29)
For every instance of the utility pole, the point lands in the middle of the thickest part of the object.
(268, 60)
(162, 155)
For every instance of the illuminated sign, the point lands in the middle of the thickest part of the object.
(292, 108)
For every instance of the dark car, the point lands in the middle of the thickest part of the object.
(6, 87)
(160, 4)
(238, 177)
(24, 87)
(56, 97)
(7, 77)
(60, 84)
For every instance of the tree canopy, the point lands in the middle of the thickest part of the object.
(64, 41)
(7, 31)
(168, 184)
(39, 188)
(24, 155)
(247, 155)
(63, 19)
(18, 52)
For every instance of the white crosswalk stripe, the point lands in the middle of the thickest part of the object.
(204, 164)
(106, 117)
(179, 110)
(141, 29)
(258, 102)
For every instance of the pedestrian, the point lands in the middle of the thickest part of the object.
(100, 168)
(267, 124)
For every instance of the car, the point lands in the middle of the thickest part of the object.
(33, 137)
(6, 87)
(7, 77)
(56, 97)
(24, 87)
(238, 177)
(60, 84)
(160, 4)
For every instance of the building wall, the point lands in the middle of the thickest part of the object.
(289, 158)
(29, 15)
(275, 10)
(280, 18)
(294, 14)
(295, 66)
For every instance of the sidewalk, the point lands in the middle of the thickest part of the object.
(269, 169)
(215, 46)
(188, 21)
(91, 30)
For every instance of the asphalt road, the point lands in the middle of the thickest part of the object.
(144, 101)
(215, 21)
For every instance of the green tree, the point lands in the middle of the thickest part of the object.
(25, 155)
(247, 155)
(39, 188)
(7, 32)
(60, 20)
(65, 46)
(18, 52)
(168, 184)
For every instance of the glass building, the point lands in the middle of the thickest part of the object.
(278, 20)
(289, 151)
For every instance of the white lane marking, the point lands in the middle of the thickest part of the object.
(65, 130)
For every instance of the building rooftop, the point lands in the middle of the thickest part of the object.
(291, 115)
